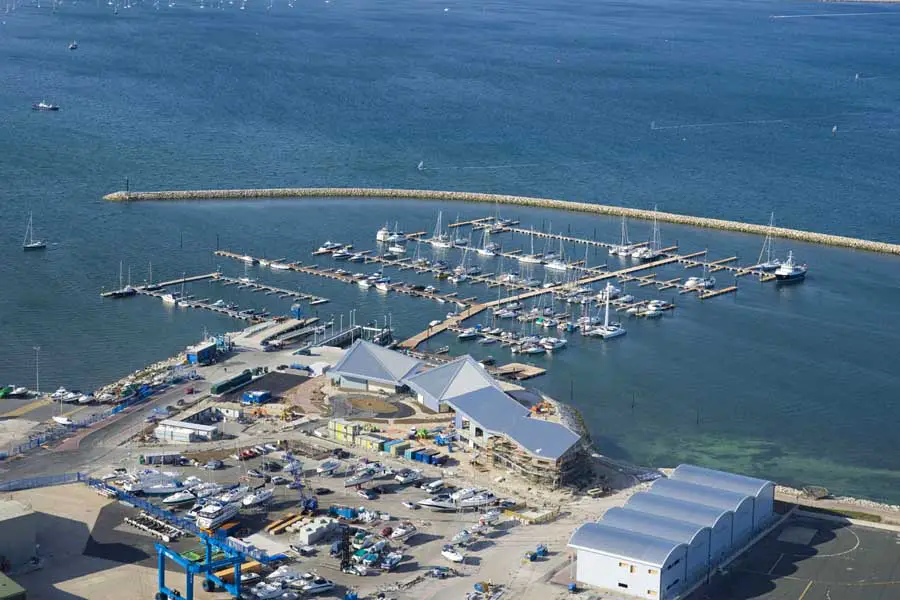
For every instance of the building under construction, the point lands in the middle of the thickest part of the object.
(503, 430)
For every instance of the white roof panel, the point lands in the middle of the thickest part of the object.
(731, 482)
(626, 544)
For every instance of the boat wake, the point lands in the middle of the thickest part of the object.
(714, 124)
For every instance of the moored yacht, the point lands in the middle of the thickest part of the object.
(790, 271)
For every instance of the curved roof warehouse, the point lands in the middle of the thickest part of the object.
(712, 521)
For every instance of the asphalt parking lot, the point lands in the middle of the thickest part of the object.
(812, 558)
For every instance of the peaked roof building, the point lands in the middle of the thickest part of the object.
(365, 361)
(465, 386)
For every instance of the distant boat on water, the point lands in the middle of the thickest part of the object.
(30, 243)
(73, 45)
(44, 107)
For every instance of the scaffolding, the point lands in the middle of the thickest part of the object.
(541, 471)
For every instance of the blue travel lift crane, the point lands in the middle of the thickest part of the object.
(208, 567)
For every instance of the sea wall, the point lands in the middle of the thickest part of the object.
(586, 207)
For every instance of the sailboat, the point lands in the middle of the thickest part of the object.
(607, 330)
(765, 262)
(487, 248)
(652, 250)
(624, 246)
(701, 283)
(30, 243)
(440, 239)
(559, 263)
(124, 290)
(531, 258)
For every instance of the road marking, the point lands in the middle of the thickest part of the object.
(808, 585)
(775, 564)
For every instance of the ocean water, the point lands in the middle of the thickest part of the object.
(717, 109)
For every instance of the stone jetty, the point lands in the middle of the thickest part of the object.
(586, 207)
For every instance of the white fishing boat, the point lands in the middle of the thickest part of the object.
(260, 496)
(180, 497)
(441, 502)
(403, 531)
(162, 487)
(552, 343)
(214, 514)
(328, 467)
(62, 420)
(408, 476)
(790, 271)
(384, 286)
(360, 478)
(451, 554)
(468, 334)
(343, 254)
(364, 283)
(205, 489)
(482, 498)
(463, 493)
(397, 248)
(169, 299)
(696, 283)
(249, 259)
(329, 246)
(233, 495)
(29, 243)
(279, 266)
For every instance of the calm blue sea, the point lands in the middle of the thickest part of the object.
(720, 109)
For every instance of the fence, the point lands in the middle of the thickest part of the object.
(64, 430)
(39, 482)
(182, 523)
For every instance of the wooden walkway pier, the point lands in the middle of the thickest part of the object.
(270, 290)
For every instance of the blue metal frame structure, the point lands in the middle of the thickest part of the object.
(233, 558)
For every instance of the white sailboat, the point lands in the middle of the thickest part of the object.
(559, 263)
(624, 246)
(30, 243)
(607, 330)
(653, 249)
(488, 248)
(531, 258)
(765, 262)
(439, 239)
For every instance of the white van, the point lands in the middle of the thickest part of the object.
(434, 486)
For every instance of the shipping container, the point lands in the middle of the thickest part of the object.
(399, 449)
(231, 383)
(390, 444)
(256, 397)
(342, 511)
(411, 453)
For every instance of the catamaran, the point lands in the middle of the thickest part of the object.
(30, 243)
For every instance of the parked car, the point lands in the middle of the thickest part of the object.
(255, 473)
(295, 485)
(271, 447)
(380, 489)
(367, 494)
(280, 480)
(411, 505)
(322, 491)
(214, 465)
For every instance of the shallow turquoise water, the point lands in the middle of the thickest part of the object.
(713, 109)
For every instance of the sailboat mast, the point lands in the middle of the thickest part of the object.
(606, 312)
